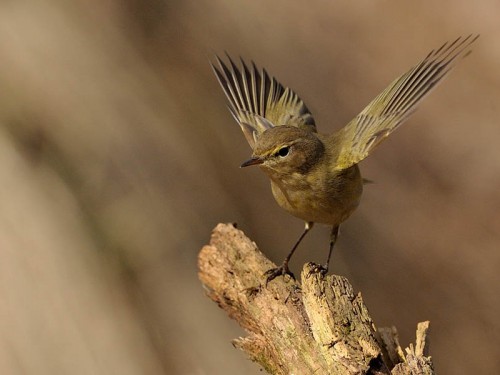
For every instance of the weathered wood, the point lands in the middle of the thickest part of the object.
(317, 327)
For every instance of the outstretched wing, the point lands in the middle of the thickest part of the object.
(258, 101)
(398, 101)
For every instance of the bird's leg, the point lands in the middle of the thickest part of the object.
(283, 269)
(333, 238)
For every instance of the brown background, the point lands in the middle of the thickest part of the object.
(118, 157)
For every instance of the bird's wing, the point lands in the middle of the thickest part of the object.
(258, 101)
(398, 101)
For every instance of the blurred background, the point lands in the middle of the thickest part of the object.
(118, 157)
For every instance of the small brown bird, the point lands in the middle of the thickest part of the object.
(315, 177)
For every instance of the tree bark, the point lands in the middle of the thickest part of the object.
(319, 326)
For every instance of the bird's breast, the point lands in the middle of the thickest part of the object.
(327, 198)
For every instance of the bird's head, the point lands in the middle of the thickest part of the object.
(283, 150)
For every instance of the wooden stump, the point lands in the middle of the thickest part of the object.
(319, 326)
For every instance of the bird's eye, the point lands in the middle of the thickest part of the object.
(283, 151)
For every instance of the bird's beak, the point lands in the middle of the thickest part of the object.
(253, 161)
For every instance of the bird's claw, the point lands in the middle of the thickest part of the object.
(318, 268)
(279, 271)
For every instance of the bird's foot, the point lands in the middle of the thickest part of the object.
(279, 271)
(318, 268)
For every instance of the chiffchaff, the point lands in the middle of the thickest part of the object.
(315, 177)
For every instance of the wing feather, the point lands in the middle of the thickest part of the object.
(398, 101)
(258, 101)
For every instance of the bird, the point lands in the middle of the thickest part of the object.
(315, 177)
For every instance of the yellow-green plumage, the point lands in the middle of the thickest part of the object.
(315, 177)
